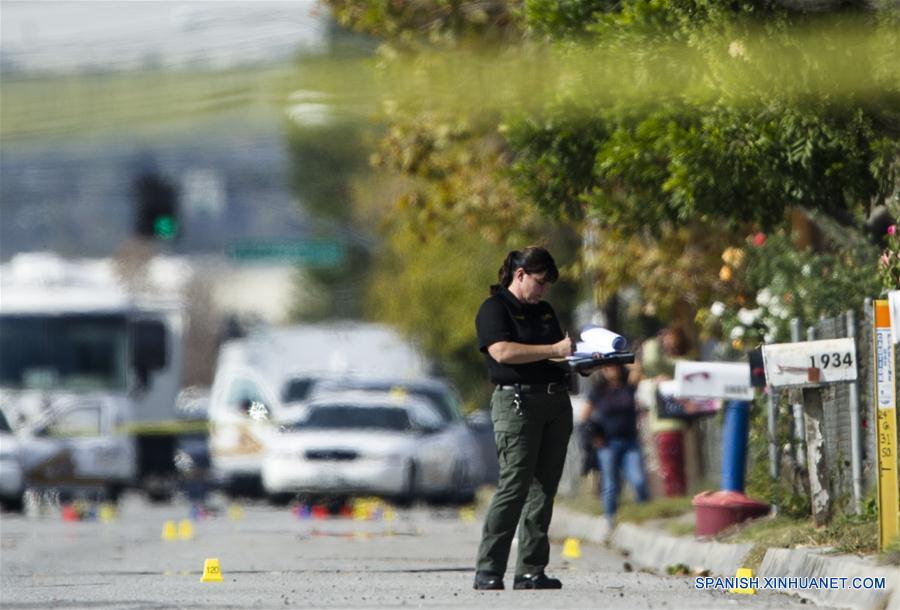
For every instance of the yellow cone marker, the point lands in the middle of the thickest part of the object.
(235, 512)
(211, 571)
(467, 514)
(170, 531)
(571, 548)
(107, 513)
(744, 573)
(185, 529)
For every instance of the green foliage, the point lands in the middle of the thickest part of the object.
(555, 156)
(562, 18)
(424, 21)
(889, 263)
(636, 165)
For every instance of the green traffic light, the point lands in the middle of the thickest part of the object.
(165, 227)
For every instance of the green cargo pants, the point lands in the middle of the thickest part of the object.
(532, 450)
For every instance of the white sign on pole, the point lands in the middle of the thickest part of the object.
(894, 306)
(810, 363)
(726, 380)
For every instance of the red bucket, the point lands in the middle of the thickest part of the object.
(716, 510)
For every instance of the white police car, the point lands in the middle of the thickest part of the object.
(361, 443)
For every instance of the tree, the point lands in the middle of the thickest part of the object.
(654, 172)
(779, 109)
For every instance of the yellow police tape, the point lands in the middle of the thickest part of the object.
(162, 428)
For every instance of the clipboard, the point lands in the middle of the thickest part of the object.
(582, 363)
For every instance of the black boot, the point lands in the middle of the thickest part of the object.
(488, 581)
(536, 581)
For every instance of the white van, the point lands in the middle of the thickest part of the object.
(89, 372)
(267, 378)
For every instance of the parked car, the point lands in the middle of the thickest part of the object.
(360, 443)
(481, 467)
(12, 476)
(267, 378)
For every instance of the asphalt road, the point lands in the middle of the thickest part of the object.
(271, 558)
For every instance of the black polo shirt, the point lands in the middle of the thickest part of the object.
(502, 317)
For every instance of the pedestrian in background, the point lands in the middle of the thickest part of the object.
(611, 415)
(519, 333)
(657, 363)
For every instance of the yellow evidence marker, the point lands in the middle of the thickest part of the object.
(235, 512)
(107, 513)
(744, 573)
(211, 571)
(571, 548)
(185, 529)
(170, 531)
(467, 514)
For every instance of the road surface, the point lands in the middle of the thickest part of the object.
(271, 558)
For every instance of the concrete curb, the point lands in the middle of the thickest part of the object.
(570, 524)
(656, 549)
(812, 563)
(649, 547)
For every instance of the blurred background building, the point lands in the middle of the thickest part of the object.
(223, 169)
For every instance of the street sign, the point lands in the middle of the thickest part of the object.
(886, 431)
(726, 380)
(810, 363)
(313, 252)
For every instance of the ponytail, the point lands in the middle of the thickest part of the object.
(533, 259)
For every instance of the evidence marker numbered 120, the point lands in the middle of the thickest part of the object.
(810, 363)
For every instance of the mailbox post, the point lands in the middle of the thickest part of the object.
(731, 382)
(809, 365)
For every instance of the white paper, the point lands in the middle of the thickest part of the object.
(595, 339)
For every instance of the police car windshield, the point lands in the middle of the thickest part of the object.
(443, 401)
(69, 352)
(297, 389)
(344, 417)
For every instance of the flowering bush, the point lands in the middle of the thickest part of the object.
(773, 282)
(889, 265)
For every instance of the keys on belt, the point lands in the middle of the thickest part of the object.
(522, 388)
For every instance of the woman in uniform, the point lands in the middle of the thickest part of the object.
(519, 334)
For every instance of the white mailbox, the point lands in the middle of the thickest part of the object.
(810, 363)
(726, 380)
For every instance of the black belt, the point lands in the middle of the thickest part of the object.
(554, 387)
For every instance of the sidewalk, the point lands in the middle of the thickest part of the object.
(653, 548)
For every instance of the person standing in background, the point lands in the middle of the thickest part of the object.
(657, 363)
(611, 413)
